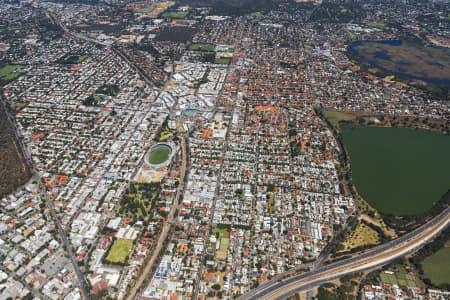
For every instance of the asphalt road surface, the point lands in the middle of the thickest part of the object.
(80, 276)
(165, 231)
(373, 258)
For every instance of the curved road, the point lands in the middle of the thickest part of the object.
(375, 257)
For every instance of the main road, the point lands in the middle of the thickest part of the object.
(27, 156)
(166, 228)
(370, 259)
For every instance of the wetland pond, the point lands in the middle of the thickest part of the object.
(430, 64)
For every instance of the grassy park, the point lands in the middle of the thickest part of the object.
(138, 200)
(175, 14)
(222, 61)
(397, 170)
(377, 25)
(199, 47)
(82, 58)
(165, 133)
(9, 72)
(256, 14)
(145, 10)
(437, 266)
(97, 99)
(93, 100)
(119, 251)
(70, 59)
(334, 117)
(224, 243)
(363, 235)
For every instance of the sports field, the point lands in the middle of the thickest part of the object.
(120, 251)
(222, 232)
(199, 47)
(224, 243)
(222, 61)
(145, 10)
(175, 14)
(437, 266)
(159, 155)
(401, 278)
(224, 237)
(397, 170)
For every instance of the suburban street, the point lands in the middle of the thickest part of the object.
(238, 151)
(81, 279)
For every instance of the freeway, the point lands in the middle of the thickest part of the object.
(370, 259)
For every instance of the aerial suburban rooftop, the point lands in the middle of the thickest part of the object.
(224, 150)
